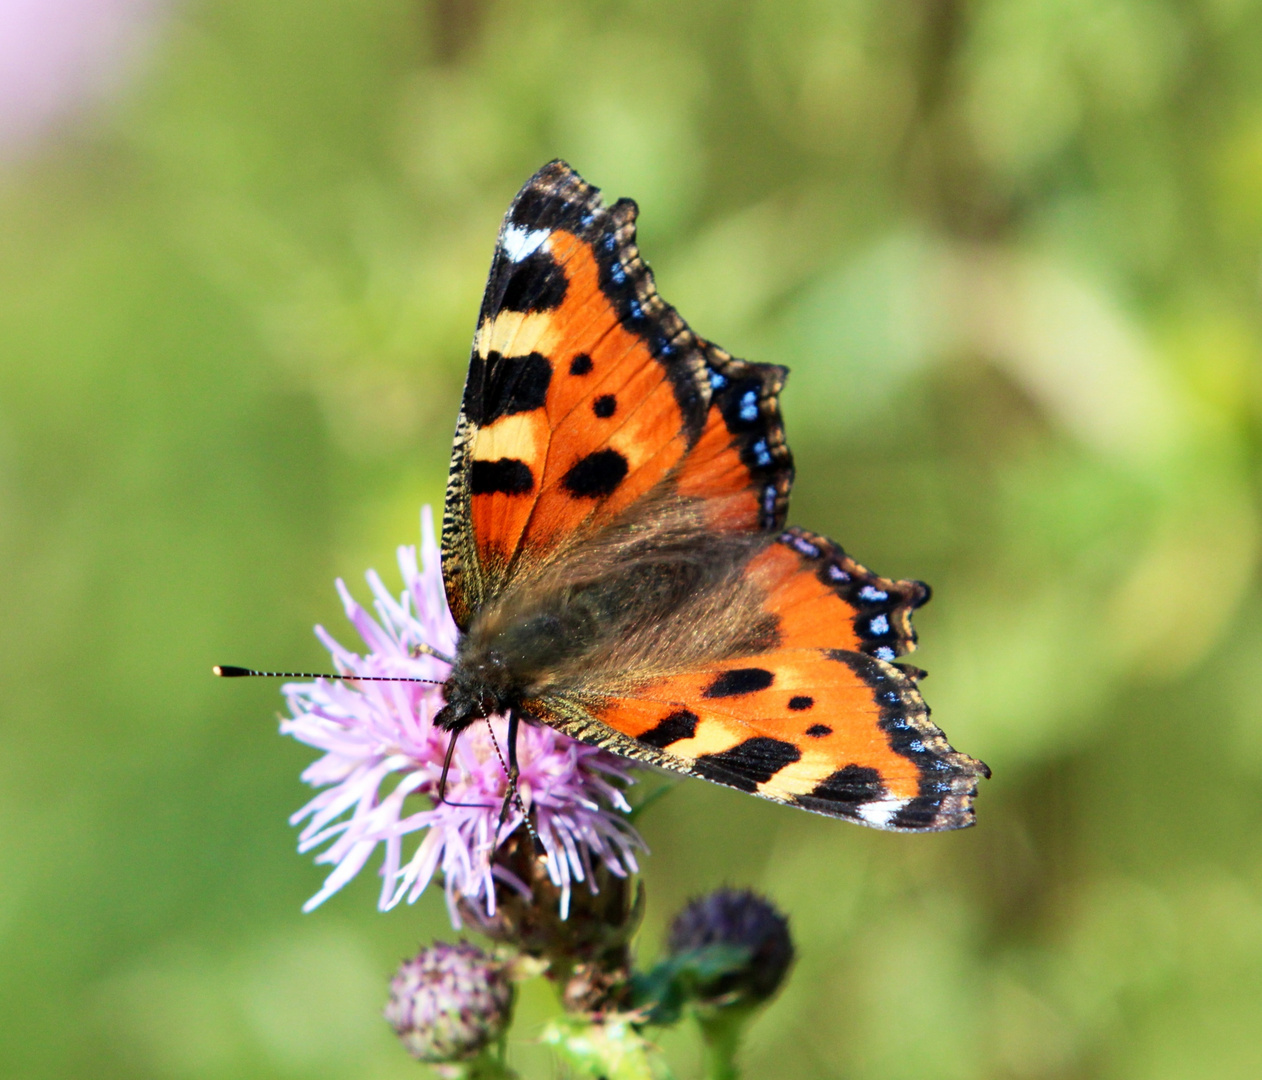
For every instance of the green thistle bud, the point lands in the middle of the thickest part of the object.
(449, 1003)
(727, 954)
(739, 920)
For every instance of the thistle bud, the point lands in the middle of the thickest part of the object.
(586, 948)
(449, 1003)
(741, 920)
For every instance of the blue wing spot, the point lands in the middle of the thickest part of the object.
(717, 381)
(617, 273)
(807, 548)
(611, 242)
(872, 594)
(749, 405)
(761, 454)
(635, 309)
(837, 573)
(879, 625)
(885, 653)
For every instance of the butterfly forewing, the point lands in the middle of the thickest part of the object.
(586, 392)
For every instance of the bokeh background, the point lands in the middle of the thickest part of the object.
(1011, 251)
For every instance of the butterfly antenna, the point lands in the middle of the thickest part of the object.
(228, 671)
(511, 773)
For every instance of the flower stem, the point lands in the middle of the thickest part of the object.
(722, 1038)
(486, 1066)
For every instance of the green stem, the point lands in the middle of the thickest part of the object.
(486, 1066)
(722, 1037)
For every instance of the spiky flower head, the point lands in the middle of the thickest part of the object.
(450, 1002)
(382, 759)
(740, 918)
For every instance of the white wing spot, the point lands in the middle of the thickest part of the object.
(881, 813)
(519, 243)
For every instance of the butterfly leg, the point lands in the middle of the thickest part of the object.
(441, 797)
(513, 723)
(442, 779)
(512, 795)
(510, 792)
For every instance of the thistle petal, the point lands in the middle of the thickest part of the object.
(380, 749)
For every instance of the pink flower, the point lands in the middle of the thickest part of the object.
(59, 55)
(382, 755)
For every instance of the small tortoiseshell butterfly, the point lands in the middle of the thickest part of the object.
(615, 553)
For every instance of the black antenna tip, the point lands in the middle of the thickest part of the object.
(231, 671)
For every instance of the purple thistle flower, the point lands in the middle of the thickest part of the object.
(375, 735)
(450, 1002)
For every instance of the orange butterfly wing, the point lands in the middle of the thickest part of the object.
(586, 392)
(824, 720)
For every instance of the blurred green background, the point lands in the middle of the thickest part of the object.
(1011, 252)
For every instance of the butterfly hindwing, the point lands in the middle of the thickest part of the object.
(821, 595)
(586, 392)
(833, 731)
(821, 717)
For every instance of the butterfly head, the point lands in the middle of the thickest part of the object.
(508, 657)
(478, 686)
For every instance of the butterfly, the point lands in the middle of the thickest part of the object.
(615, 553)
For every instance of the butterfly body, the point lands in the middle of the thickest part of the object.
(615, 554)
(643, 601)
